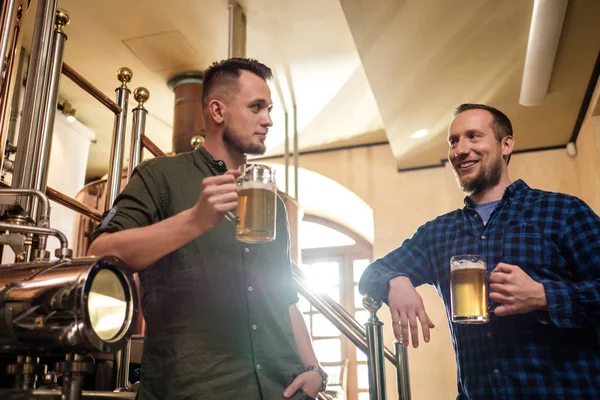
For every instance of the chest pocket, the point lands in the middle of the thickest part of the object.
(526, 246)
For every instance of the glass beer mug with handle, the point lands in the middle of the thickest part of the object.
(257, 204)
(469, 289)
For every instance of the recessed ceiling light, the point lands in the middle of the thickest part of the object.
(419, 134)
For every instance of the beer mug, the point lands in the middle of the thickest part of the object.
(257, 204)
(469, 289)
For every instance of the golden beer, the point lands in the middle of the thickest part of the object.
(469, 290)
(257, 205)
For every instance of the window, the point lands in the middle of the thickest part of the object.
(333, 259)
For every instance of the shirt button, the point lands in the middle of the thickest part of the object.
(489, 334)
(257, 366)
(483, 237)
(254, 327)
(249, 288)
(247, 250)
(496, 371)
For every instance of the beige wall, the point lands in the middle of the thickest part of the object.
(403, 201)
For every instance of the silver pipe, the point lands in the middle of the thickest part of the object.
(123, 357)
(44, 220)
(135, 151)
(334, 318)
(8, 21)
(64, 243)
(117, 148)
(232, 8)
(47, 128)
(375, 360)
(121, 366)
(286, 154)
(402, 371)
(295, 153)
(15, 108)
(9, 51)
(138, 129)
(34, 100)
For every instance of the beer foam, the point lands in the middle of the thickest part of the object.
(466, 264)
(257, 185)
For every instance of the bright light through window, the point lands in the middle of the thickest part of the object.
(323, 276)
(358, 267)
(314, 236)
(328, 350)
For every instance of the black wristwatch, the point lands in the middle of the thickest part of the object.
(318, 369)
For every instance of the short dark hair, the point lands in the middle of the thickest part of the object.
(227, 72)
(502, 126)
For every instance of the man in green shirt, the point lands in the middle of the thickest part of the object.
(221, 319)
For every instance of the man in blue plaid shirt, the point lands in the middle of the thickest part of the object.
(543, 256)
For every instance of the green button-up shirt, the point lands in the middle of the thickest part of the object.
(217, 310)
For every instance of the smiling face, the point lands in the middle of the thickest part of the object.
(476, 154)
(247, 116)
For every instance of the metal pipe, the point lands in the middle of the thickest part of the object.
(286, 154)
(10, 46)
(402, 371)
(113, 185)
(237, 31)
(47, 128)
(15, 110)
(152, 147)
(113, 182)
(68, 202)
(44, 220)
(34, 101)
(295, 153)
(317, 301)
(232, 7)
(344, 315)
(73, 204)
(335, 319)
(141, 95)
(8, 21)
(375, 360)
(544, 37)
(64, 243)
(88, 87)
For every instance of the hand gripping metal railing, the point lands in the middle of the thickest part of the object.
(369, 340)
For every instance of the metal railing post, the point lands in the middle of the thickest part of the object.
(117, 148)
(42, 160)
(375, 357)
(402, 371)
(141, 95)
(35, 100)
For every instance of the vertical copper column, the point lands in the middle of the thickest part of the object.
(188, 119)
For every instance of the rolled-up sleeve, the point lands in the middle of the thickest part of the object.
(139, 204)
(410, 259)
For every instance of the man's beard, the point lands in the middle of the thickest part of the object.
(233, 140)
(486, 178)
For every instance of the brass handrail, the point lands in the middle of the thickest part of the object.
(152, 147)
(87, 86)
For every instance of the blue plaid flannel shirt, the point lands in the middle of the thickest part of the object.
(555, 238)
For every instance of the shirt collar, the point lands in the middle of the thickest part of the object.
(514, 189)
(217, 165)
